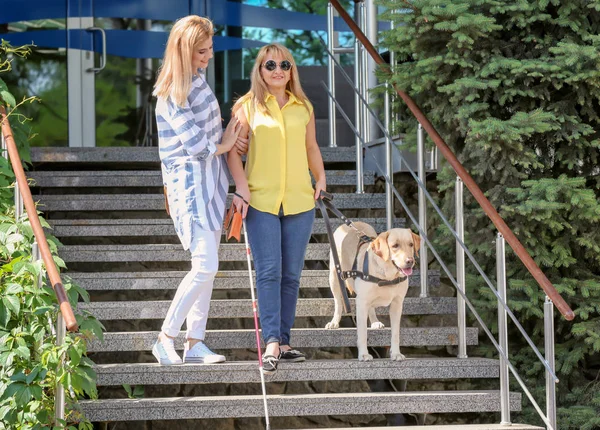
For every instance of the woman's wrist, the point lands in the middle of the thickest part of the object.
(241, 196)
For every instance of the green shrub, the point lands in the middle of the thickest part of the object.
(31, 364)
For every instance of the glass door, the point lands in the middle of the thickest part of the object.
(43, 73)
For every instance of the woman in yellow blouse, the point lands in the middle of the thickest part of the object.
(277, 185)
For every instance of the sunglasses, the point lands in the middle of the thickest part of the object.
(271, 65)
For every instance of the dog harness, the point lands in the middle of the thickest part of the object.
(364, 275)
(324, 203)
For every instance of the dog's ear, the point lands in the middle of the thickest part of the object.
(416, 242)
(380, 246)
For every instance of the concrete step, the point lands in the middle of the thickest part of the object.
(241, 372)
(132, 155)
(150, 178)
(156, 202)
(130, 310)
(164, 226)
(165, 252)
(296, 405)
(302, 338)
(512, 426)
(226, 279)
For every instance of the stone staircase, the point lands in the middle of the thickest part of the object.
(106, 206)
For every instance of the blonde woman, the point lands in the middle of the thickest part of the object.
(191, 148)
(275, 193)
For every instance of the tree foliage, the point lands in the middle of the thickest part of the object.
(305, 45)
(514, 89)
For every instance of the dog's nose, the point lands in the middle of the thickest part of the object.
(410, 260)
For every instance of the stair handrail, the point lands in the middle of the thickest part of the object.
(36, 226)
(472, 186)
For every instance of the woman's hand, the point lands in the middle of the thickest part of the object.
(241, 200)
(320, 185)
(241, 145)
(230, 136)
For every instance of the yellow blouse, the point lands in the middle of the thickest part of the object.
(277, 163)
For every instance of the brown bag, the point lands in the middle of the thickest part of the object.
(233, 223)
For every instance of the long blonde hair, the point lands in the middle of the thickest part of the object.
(175, 76)
(258, 87)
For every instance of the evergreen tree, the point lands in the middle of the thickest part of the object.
(514, 89)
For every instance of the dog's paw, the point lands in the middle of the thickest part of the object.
(365, 357)
(332, 325)
(377, 325)
(397, 356)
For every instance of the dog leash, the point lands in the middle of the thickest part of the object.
(324, 203)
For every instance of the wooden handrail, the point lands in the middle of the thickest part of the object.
(485, 204)
(38, 231)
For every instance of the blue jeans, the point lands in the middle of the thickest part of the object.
(278, 244)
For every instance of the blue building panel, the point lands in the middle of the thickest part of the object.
(198, 7)
(222, 12)
(43, 39)
(20, 10)
(170, 10)
(75, 8)
(122, 43)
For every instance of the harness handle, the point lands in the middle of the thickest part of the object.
(326, 196)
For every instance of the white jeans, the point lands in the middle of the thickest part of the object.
(192, 300)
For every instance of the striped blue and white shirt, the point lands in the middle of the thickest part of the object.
(197, 180)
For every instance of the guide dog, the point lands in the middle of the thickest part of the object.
(391, 255)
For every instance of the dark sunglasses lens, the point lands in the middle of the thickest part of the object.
(270, 65)
(285, 65)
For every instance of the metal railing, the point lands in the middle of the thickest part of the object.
(40, 249)
(462, 178)
(485, 204)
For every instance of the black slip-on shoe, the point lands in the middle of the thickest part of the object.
(269, 364)
(292, 356)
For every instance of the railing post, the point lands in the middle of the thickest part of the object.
(502, 330)
(366, 130)
(359, 110)
(423, 269)
(460, 269)
(59, 400)
(331, 74)
(18, 202)
(18, 197)
(4, 150)
(35, 256)
(389, 193)
(549, 355)
(59, 397)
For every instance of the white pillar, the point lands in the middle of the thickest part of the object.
(81, 84)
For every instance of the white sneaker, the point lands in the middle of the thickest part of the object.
(200, 353)
(164, 351)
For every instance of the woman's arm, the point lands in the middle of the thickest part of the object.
(315, 161)
(234, 161)
(182, 124)
(230, 136)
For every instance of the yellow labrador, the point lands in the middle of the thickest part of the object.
(391, 254)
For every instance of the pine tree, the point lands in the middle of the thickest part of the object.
(514, 89)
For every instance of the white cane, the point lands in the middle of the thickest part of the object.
(255, 311)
